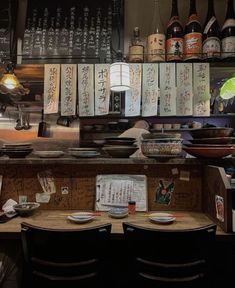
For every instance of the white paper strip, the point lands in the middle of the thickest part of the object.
(184, 98)
(102, 90)
(51, 88)
(167, 89)
(150, 90)
(201, 89)
(133, 96)
(68, 89)
(86, 89)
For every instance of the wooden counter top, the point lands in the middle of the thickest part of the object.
(30, 160)
(55, 219)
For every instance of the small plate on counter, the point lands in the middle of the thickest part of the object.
(49, 154)
(161, 218)
(81, 217)
(118, 212)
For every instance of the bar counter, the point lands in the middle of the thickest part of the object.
(57, 219)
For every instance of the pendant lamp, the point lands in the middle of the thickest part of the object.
(227, 91)
(119, 75)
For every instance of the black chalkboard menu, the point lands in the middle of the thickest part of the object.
(72, 31)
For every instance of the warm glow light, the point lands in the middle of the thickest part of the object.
(9, 80)
(227, 91)
(119, 77)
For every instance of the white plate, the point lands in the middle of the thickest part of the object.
(81, 217)
(161, 218)
(49, 154)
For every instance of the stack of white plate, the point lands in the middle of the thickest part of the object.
(83, 152)
(81, 217)
(49, 154)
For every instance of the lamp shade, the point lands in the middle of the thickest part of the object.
(227, 91)
(9, 80)
(119, 77)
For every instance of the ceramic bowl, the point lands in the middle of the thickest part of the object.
(26, 209)
(118, 212)
(120, 151)
(167, 147)
(211, 132)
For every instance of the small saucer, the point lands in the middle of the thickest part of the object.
(161, 218)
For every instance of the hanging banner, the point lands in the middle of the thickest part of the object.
(102, 90)
(150, 90)
(86, 90)
(51, 88)
(68, 89)
(133, 96)
(184, 98)
(201, 89)
(167, 89)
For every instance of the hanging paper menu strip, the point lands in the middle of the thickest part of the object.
(133, 96)
(102, 90)
(184, 99)
(51, 88)
(167, 89)
(201, 89)
(150, 91)
(68, 89)
(86, 89)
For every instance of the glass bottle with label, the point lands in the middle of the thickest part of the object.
(64, 38)
(228, 33)
(174, 35)
(193, 35)
(156, 40)
(136, 49)
(211, 46)
(50, 37)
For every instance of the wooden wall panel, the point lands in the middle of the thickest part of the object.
(216, 183)
(81, 180)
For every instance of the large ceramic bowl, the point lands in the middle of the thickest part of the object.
(26, 209)
(211, 132)
(161, 136)
(118, 212)
(151, 148)
(120, 151)
(209, 152)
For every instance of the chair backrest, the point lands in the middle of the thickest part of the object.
(64, 258)
(169, 258)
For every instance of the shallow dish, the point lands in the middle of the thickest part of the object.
(216, 140)
(26, 209)
(84, 154)
(81, 217)
(209, 152)
(211, 132)
(118, 213)
(161, 218)
(49, 154)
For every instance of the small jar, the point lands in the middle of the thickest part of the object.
(131, 207)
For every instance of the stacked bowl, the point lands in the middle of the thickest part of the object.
(161, 145)
(17, 150)
(212, 142)
(120, 147)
